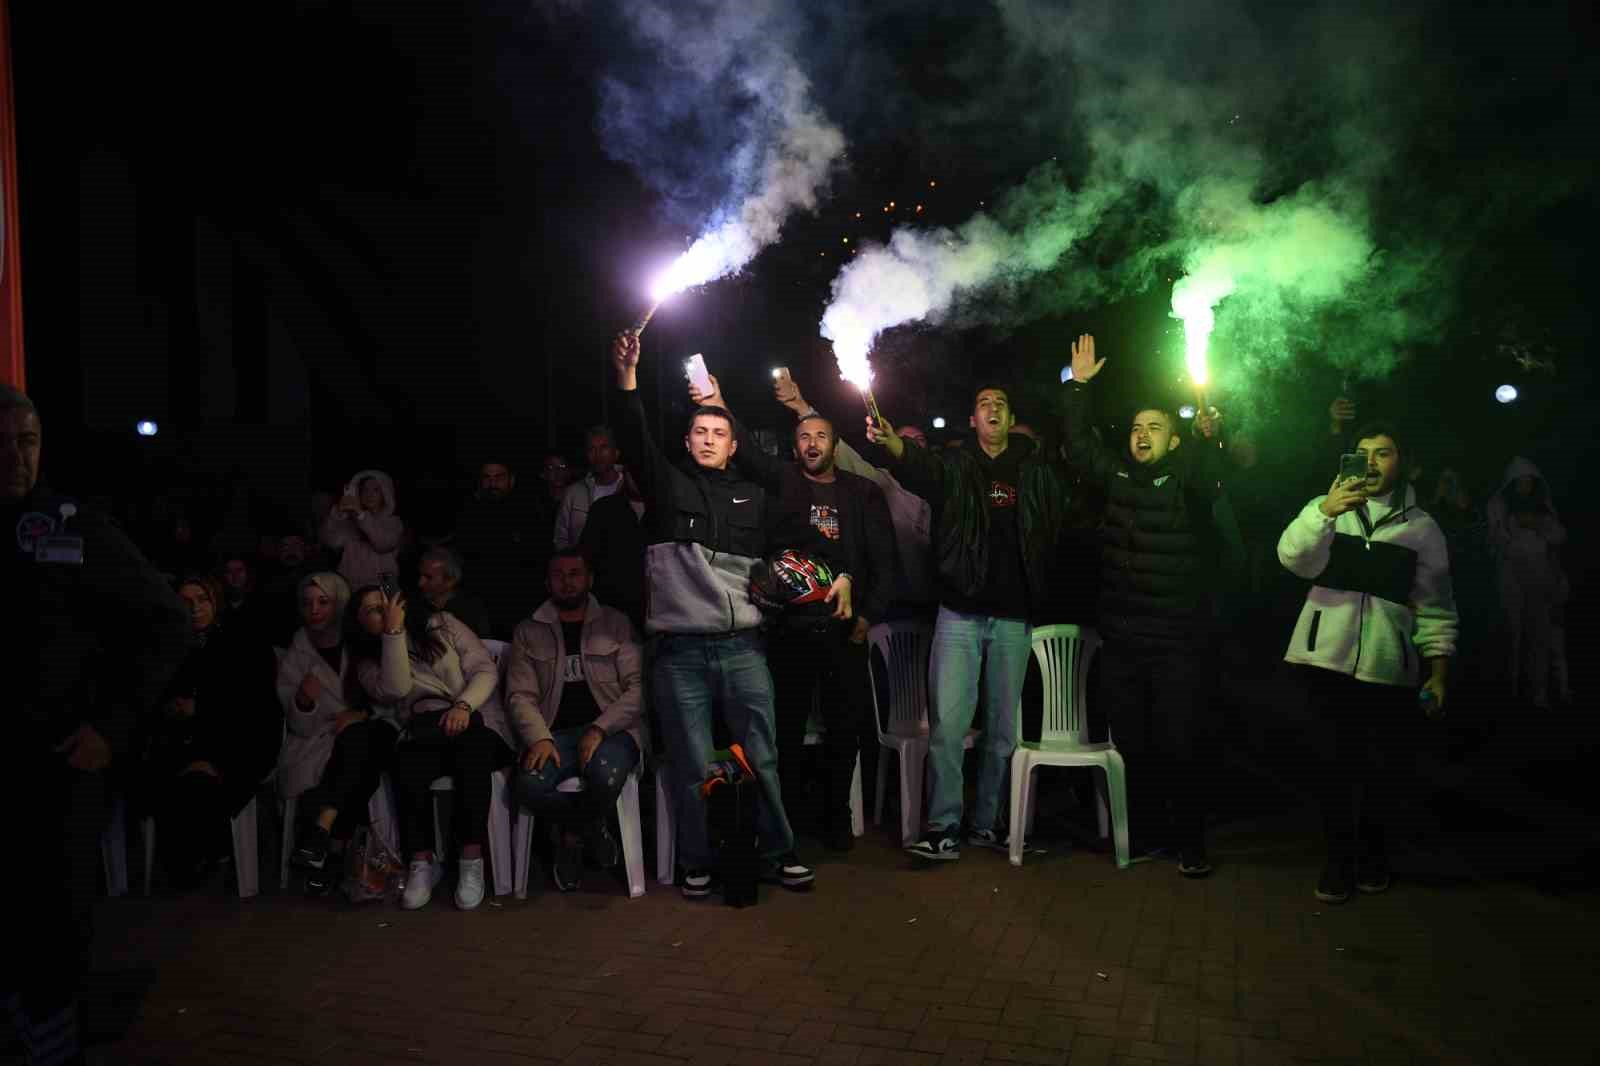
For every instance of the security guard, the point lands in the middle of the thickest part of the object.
(94, 634)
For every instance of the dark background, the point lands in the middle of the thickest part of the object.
(311, 237)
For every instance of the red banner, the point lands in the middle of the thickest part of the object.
(11, 364)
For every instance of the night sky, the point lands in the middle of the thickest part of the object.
(435, 178)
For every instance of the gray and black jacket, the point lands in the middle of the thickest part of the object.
(703, 530)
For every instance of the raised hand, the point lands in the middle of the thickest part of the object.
(711, 399)
(625, 358)
(1340, 411)
(879, 431)
(1084, 364)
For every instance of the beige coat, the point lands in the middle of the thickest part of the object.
(611, 667)
(308, 743)
(464, 672)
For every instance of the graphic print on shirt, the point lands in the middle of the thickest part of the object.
(1002, 495)
(572, 669)
(825, 519)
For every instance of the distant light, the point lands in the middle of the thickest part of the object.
(938, 423)
(1186, 411)
(1066, 374)
(147, 429)
(1506, 393)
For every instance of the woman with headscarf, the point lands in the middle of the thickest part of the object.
(363, 528)
(441, 681)
(216, 740)
(335, 751)
(1524, 535)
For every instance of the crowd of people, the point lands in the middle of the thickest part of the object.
(684, 600)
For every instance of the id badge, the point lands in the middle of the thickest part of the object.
(59, 548)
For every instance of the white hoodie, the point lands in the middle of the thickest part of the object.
(1381, 599)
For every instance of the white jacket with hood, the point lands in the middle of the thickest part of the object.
(1381, 599)
(1522, 552)
(368, 542)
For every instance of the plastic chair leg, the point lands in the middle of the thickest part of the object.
(246, 861)
(1117, 785)
(499, 841)
(522, 852)
(913, 758)
(666, 831)
(883, 781)
(632, 836)
(1021, 778)
(289, 806)
(858, 817)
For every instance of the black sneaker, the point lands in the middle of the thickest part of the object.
(791, 873)
(936, 847)
(988, 838)
(567, 870)
(1337, 881)
(312, 851)
(1192, 862)
(1372, 874)
(696, 884)
(319, 883)
(602, 845)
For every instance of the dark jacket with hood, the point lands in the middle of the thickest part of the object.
(1158, 537)
(97, 637)
(957, 486)
(703, 529)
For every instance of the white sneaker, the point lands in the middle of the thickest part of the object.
(421, 876)
(469, 883)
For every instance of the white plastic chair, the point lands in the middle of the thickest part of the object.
(246, 862)
(1064, 653)
(380, 812)
(627, 821)
(666, 829)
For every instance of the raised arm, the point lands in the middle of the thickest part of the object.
(652, 471)
(1086, 452)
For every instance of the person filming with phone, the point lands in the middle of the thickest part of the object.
(1379, 621)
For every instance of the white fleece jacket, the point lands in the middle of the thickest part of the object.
(1381, 600)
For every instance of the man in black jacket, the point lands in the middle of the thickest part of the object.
(843, 520)
(503, 538)
(1157, 540)
(98, 636)
(1001, 501)
(704, 522)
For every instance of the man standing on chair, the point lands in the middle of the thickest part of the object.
(1154, 610)
(1001, 501)
(841, 519)
(573, 689)
(98, 633)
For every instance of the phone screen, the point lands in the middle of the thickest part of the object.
(695, 368)
(1352, 466)
(386, 585)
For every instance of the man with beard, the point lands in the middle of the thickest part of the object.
(503, 539)
(573, 690)
(98, 636)
(820, 511)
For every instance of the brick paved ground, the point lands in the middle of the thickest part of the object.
(1063, 961)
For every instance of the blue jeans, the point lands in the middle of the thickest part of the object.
(693, 675)
(962, 644)
(603, 778)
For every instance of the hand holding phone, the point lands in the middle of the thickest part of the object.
(386, 584)
(695, 369)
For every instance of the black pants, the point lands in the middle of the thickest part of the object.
(819, 659)
(1155, 702)
(57, 817)
(1366, 736)
(469, 758)
(191, 810)
(361, 754)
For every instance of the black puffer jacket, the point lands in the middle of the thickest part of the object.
(1158, 539)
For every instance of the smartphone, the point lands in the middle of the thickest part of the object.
(387, 586)
(780, 373)
(695, 369)
(1352, 466)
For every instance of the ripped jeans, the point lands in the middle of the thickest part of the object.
(603, 779)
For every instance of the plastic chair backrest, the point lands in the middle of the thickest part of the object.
(496, 649)
(1064, 653)
(905, 647)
